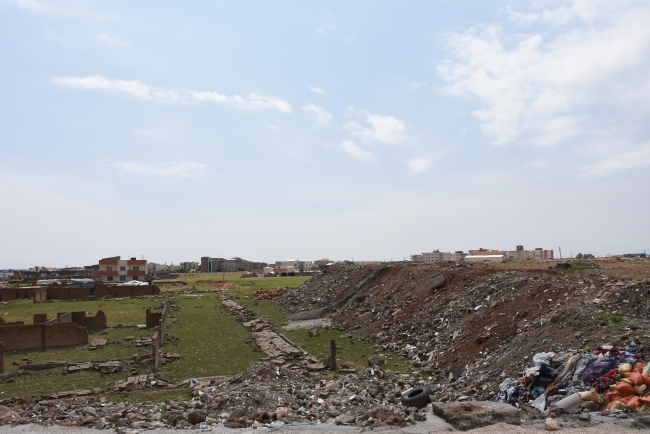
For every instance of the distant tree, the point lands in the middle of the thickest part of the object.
(579, 256)
(588, 256)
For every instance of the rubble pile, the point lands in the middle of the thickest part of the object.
(264, 395)
(469, 327)
(277, 347)
(267, 294)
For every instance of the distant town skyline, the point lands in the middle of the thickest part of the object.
(293, 129)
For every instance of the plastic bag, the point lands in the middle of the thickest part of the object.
(591, 395)
(634, 377)
(540, 358)
(623, 389)
(539, 403)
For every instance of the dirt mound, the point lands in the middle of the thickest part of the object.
(484, 322)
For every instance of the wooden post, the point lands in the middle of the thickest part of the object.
(2, 358)
(332, 359)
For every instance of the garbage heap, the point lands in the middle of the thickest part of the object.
(610, 378)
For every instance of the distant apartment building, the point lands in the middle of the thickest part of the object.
(538, 254)
(116, 270)
(295, 266)
(6, 275)
(482, 251)
(189, 266)
(217, 265)
(437, 256)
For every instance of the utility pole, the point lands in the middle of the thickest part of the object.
(560, 247)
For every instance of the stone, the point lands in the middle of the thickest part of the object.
(237, 413)
(585, 417)
(89, 411)
(313, 333)
(281, 412)
(551, 424)
(101, 423)
(376, 359)
(469, 415)
(438, 281)
(344, 418)
(196, 417)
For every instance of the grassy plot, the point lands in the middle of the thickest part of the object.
(211, 281)
(54, 380)
(209, 341)
(130, 311)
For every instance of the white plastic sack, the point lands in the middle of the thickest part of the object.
(540, 358)
(539, 403)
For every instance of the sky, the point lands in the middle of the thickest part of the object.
(366, 130)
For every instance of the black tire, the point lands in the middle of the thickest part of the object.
(416, 397)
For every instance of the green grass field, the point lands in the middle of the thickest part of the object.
(210, 342)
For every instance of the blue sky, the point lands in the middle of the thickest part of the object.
(286, 129)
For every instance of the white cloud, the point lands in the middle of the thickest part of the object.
(323, 117)
(635, 158)
(134, 88)
(32, 5)
(112, 40)
(141, 90)
(317, 90)
(351, 148)
(183, 170)
(419, 164)
(383, 129)
(253, 102)
(541, 88)
(274, 128)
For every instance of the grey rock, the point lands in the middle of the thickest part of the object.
(345, 418)
(196, 417)
(376, 359)
(89, 411)
(469, 415)
(438, 281)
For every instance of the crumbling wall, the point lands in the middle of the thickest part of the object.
(25, 292)
(90, 322)
(125, 291)
(152, 318)
(40, 295)
(64, 334)
(45, 335)
(21, 337)
(3, 322)
(67, 292)
(7, 294)
(40, 318)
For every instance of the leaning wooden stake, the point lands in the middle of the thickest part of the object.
(332, 359)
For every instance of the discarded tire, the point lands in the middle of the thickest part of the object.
(417, 397)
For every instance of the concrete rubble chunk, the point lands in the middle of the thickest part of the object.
(474, 414)
(551, 424)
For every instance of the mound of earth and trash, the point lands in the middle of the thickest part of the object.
(546, 348)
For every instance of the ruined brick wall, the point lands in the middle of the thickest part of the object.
(90, 322)
(67, 293)
(152, 318)
(64, 317)
(40, 295)
(37, 336)
(3, 322)
(125, 291)
(64, 334)
(7, 294)
(21, 337)
(40, 318)
(25, 292)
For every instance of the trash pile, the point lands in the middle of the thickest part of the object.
(479, 321)
(609, 377)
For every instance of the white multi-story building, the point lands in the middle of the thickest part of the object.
(115, 269)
